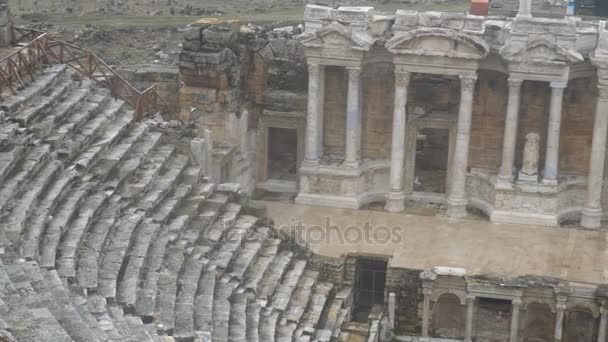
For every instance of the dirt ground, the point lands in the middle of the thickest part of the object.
(155, 38)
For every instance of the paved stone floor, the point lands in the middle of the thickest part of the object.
(481, 247)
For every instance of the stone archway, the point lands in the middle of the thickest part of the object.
(539, 323)
(448, 317)
(580, 326)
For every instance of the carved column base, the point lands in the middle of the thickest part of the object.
(395, 201)
(457, 208)
(592, 217)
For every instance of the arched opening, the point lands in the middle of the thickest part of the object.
(448, 317)
(580, 326)
(539, 323)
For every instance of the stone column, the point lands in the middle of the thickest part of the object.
(353, 118)
(559, 319)
(601, 334)
(395, 198)
(321, 111)
(510, 135)
(468, 332)
(525, 9)
(457, 198)
(311, 154)
(515, 320)
(555, 122)
(426, 309)
(592, 210)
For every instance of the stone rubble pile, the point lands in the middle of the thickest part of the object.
(108, 232)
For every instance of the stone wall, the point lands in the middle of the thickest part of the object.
(407, 286)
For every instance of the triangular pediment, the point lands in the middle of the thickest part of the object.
(542, 51)
(438, 42)
(338, 36)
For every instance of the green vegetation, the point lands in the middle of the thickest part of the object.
(278, 15)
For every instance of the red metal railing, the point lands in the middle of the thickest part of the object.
(42, 49)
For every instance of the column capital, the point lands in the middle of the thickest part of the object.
(402, 78)
(559, 84)
(602, 92)
(314, 69)
(515, 82)
(516, 302)
(471, 298)
(354, 72)
(467, 82)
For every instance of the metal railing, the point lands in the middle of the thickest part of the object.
(42, 49)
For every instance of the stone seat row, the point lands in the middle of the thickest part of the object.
(111, 235)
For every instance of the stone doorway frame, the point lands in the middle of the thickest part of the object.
(433, 121)
(285, 120)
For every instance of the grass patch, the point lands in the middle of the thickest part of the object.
(278, 15)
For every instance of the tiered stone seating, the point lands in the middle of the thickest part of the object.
(111, 235)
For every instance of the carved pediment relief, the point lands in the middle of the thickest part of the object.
(438, 42)
(337, 36)
(541, 51)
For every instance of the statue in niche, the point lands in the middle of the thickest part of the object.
(531, 155)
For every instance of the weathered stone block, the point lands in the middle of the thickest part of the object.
(347, 14)
(314, 12)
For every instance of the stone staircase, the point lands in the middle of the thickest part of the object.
(108, 233)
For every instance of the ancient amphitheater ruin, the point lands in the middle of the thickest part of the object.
(466, 153)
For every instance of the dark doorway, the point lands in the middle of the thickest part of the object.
(432, 153)
(370, 280)
(282, 153)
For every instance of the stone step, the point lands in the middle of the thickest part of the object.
(285, 332)
(133, 162)
(34, 325)
(238, 317)
(112, 133)
(41, 84)
(129, 276)
(256, 271)
(301, 296)
(232, 241)
(120, 150)
(8, 161)
(168, 286)
(203, 302)
(23, 206)
(282, 294)
(35, 158)
(172, 202)
(98, 308)
(89, 252)
(147, 173)
(315, 307)
(43, 213)
(71, 220)
(268, 326)
(273, 275)
(334, 311)
(163, 184)
(253, 320)
(184, 311)
(63, 109)
(147, 291)
(94, 126)
(221, 308)
(132, 330)
(245, 257)
(27, 114)
(114, 250)
(81, 116)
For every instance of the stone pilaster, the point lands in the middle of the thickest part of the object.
(321, 111)
(395, 198)
(525, 9)
(311, 155)
(426, 307)
(516, 306)
(555, 122)
(457, 199)
(559, 318)
(510, 135)
(601, 334)
(353, 118)
(468, 332)
(592, 210)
